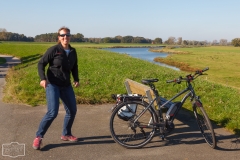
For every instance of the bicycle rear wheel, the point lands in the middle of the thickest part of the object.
(205, 125)
(128, 133)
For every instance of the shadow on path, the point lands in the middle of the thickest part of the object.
(11, 61)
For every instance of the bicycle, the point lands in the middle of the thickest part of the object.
(134, 121)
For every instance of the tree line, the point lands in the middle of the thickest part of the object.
(9, 36)
(53, 37)
(119, 39)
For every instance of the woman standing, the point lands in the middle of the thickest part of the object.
(62, 61)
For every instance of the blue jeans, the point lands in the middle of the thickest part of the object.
(53, 94)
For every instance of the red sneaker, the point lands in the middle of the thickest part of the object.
(37, 143)
(69, 138)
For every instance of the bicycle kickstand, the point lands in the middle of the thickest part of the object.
(162, 134)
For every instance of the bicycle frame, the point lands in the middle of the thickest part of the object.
(159, 114)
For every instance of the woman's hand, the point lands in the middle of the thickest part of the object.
(43, 83)
(76, 84)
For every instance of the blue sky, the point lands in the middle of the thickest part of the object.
(190, 19)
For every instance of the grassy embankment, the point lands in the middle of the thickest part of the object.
(103, 73)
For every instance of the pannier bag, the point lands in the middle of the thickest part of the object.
(126, 112)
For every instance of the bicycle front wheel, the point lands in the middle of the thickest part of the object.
(205, 125)
(126, 130)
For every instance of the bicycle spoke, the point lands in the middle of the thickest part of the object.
(205, 126)
(130, 134)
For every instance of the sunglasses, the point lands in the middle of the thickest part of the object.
(63, 35)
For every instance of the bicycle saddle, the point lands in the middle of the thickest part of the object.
(148, 81)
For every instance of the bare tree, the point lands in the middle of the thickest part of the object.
(3, 30)
(214, 42)
(3, 34)
(223, 42)
(171, 40)
(179, 41)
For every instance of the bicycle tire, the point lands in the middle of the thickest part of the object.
(129, 134)
(205, 126)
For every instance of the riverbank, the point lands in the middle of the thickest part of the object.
(142, 53)
(180, 65)
(169, 51)
(125, 46)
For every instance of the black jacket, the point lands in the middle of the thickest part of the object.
(60, 66)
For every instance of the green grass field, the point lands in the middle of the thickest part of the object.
(103, 73)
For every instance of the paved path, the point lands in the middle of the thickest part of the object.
(19, 124)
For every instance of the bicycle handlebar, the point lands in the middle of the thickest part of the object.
(189, 77)
(207, 68)
(200, 71)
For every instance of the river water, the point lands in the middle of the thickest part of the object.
(142, 53)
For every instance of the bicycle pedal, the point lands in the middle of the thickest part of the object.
(170, 127)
